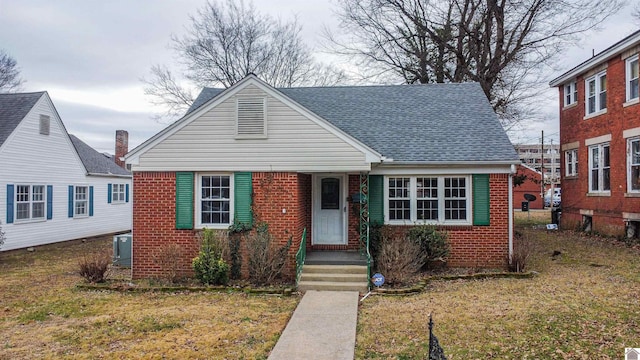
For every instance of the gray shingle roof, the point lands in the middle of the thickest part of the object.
(13, 108)
(205, 95)
(95, 162)
(409, 123)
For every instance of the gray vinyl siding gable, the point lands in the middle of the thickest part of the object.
(294, 143)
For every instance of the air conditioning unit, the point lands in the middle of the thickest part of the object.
(122, 250)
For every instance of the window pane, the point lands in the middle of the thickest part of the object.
(38, 210)
(594, 180)
(605, 156)
(455, 205)
(634, 89)
(22, 211)
(635, 177)
(595, 162)
(606, 181)
(330, 194)
(399, 210)
(427, 209)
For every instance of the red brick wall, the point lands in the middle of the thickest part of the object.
(607, 217)
(528, 187)
(154, 224)
(154, 221)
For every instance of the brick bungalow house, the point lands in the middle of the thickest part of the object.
(600, 141)
(301, 158)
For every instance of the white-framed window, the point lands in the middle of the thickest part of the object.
(215, 200)
(80, 201)
(633, 172)
(632, 77)
(570, 93)
(599, 168)
(118, 193)
(427, 199)
(596, 93)
(30, 202)
(571, 162)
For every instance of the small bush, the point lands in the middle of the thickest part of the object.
(399, 256)
(209, 266)
(93, 268)
(2, 236)
(168, 258)
(434, 243)
(522, 250)
(266, 259)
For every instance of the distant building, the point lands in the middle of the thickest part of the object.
(532, 156)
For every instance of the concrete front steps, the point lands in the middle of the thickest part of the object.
(334, 278)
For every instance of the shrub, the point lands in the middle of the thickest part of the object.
(93, 268)
(168, 258)
(209, 266)
(399, 257)
(266, 259)
(434, 243)
(522, 250)
(2, 236)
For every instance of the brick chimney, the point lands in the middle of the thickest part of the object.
(122, 147)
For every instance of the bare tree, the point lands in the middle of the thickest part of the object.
(10, 80)
(499, 43)
(225, 42)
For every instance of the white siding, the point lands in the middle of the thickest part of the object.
(294, 143)
(29, 158)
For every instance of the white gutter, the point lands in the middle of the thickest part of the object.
(513, 171)
(440, 163)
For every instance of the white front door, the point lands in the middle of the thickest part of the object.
(329, 210)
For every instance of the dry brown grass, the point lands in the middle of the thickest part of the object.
(42, 315)
(583, 305)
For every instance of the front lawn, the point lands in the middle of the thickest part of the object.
(584, 304)
(43, 315)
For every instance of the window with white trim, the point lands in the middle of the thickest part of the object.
(570, 93)
(632, 77)
(118, 193)
(633, 172)
(30, 202)
(596, 93)
(215, 202)
(80, 201)
(571, 162)
(428, 199)
(599, 168)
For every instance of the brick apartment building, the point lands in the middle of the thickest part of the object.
(600, 141)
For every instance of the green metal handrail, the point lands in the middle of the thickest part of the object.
(301, 255)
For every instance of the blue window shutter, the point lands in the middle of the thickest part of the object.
(126, 193)
(70, 212)
(243, 189)
(9, 203)
(184, 200)
(49, 202)
(376, 199)
(481, 210)
(109, 193)
(90, 200)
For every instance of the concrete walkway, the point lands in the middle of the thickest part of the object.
(323, 326)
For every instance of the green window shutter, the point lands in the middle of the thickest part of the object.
(243, 188)
(184, 200)
(481, 199)
(376, 199)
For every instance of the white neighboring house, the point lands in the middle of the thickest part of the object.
(54, 187)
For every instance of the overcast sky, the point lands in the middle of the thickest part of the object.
(89, 55)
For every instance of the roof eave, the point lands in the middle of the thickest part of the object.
(109, 175)
(453, 163)
(603, 56)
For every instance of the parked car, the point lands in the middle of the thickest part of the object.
(557, 197)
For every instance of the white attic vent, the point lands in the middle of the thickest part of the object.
(251, 122)
(45, 122)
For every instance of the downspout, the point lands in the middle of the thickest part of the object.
(513, 171)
